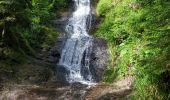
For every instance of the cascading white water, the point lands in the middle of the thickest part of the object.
(75, 55)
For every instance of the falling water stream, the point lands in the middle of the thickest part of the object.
(76, 53)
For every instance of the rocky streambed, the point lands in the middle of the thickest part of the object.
(120, 90)
(43, 79)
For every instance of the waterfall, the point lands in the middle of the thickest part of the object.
(76, 53)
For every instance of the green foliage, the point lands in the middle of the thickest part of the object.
(111, 73)
(140, 31)
(41, 14)
(25, 26)
(103, 6)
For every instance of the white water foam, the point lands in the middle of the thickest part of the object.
(76, 53)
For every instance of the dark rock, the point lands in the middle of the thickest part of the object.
(60, 74)
(98, 63)
(79, 95)
(99, 59)
(55, 52)
(78, 85)
(63, 18)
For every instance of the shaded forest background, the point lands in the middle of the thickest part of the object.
(137, 32)
(26, 27)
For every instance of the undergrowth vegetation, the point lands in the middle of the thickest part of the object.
(138, 35)
(25, 28)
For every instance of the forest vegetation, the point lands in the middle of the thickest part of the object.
(25, 28)
(137, 33)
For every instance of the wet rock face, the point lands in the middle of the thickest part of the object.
(99, 59)
(60, 72)
(120, 90)
(98, 63)
(43, 93)
(61, 22)
(55, 52)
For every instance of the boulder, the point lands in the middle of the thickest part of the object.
(99, 59)
(55, 52)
